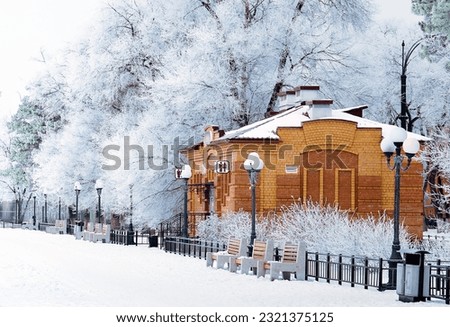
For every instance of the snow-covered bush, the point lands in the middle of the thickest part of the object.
(439, 245)
(442, 226)
(324, 229)
(232, 224)
(328, 229)
(438, 248)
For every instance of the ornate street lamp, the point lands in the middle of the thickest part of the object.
(390, 144)
(77, 189)
(99, 187)
(405, 117)
(186, 173)
(253, 165)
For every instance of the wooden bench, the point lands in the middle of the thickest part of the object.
(262, 251)
(102, 233)
(235, 248)
(292, 262)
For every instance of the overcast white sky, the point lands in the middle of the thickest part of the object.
(27, 26)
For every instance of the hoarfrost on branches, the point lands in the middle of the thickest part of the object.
(323, 229)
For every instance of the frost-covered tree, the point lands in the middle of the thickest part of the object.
(150, 75)
(437, 158)
(241, 53)
(436, 23)
(153, 73)
(27, 128)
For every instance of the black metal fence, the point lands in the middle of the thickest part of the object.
(171, 226)
(43, 226)
(192, 247)
(440, 281)
(352, 270)
(7, 224)
(342, 269)
(127, 237)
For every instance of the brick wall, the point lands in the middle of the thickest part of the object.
(328, 160)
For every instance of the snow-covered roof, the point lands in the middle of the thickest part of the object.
(296, 116)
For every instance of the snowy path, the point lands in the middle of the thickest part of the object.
(38, 269)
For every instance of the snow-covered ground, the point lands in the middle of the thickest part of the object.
(45, 270)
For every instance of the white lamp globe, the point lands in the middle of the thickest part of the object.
(77, 186)
(253, 162)
(398, 134)
(98, 184)
(186, 172)
(387, 146)
(411, 146)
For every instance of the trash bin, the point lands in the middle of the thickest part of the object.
(413, 277)
(153, 241)
(77, 231)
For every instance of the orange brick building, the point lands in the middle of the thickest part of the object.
(311, 152)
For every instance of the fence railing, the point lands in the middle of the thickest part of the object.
(171, 226)
(352, 270)
(7, 224)
(440, 282)
(122, 236)
(127, 237)
(43, 226)
(192, 247)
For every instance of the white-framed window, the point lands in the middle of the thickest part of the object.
(291, 169)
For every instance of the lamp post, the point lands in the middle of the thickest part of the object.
(99, 187)
(131, 209)
(404, 113)
(390, 144)
(34, 210)
(253, 165)
(45, 208)
(59, 208)
(186, 173)
(77, 189)
(16, 217)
